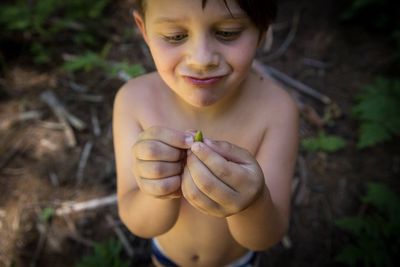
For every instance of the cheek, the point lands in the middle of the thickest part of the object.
(164, 57)
(242, 55)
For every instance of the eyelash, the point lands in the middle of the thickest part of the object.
(222, 35)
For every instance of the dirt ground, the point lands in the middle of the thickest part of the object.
(39, 170)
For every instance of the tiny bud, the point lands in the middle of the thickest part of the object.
(198, 137)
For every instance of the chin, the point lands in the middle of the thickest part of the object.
(202, 101)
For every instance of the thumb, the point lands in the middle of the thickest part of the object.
(230, 151)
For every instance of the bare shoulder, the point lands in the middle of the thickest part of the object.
(137, 89)
(137, 95)
(279, 105)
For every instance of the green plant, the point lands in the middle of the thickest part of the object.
(46, 214)
(91, 60)
(376, 235)
(47, 23)
(378, 110)
(354, 7)
(323, 142)
(106, 254)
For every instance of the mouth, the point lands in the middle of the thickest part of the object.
(204, 81)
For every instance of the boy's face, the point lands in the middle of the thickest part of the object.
(201, 54)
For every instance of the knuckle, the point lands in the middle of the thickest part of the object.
(156, 170)
(207, 186)
(191, 195)
(150, 150)
(226, 146)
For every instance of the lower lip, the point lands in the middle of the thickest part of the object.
(203, 82)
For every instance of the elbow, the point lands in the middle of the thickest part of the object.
(130, 223)
(135, 227)
(140, 226)
(265, 241)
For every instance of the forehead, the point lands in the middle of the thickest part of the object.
(165, 9)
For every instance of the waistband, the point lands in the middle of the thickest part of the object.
(247, 260)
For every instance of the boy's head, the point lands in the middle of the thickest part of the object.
(260, 12)
(203, 50)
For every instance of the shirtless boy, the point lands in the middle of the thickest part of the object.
(212, 203)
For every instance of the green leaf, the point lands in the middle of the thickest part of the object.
(378, 111)
(376, 234)
(353, 224)
(371, 134)
(85, 62)
(323, 142)
(46, 214)
(349, 255)
(106, 254)
(384, 199)
(132, 70)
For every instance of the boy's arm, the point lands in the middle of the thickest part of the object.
(143, 214)
(266, 220)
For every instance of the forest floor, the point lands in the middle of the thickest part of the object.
(41, 169)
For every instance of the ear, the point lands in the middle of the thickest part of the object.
(140, 24)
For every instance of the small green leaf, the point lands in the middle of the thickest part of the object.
(323, 142)
(378, 111)
(46, 214)
(349, 255)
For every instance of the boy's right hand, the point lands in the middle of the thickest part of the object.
(159, 156)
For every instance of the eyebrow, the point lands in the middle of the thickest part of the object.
(234, 16)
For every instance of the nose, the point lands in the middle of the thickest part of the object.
(202, 54)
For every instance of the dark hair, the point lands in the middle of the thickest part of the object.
(261, 12)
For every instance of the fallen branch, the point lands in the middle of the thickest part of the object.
(95, 122)
(289, 39)
(21, 117)
(83, 161)
(71, 207)
(280, 76)
(63, 116)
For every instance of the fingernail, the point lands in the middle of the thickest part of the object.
(189, 139)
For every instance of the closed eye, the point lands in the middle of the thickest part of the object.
(175, 38)
(228, 35)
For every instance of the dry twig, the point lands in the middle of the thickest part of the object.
(95, 122)
(70, 207)
(289, 39)
(267, 70)
(63, 116)
(83, 161)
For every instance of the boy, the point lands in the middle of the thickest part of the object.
(211, 203)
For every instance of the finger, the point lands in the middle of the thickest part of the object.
(212, 186)
(168, 136)
(160, 188)
(196, 198)
(228, 172)
(158, 169)
(229, 151)
(156, 150)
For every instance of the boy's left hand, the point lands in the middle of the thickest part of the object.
(221, 179)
